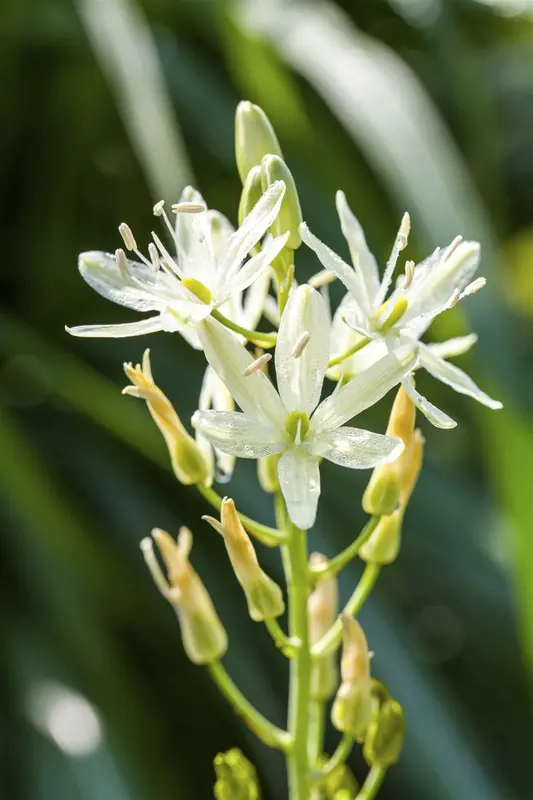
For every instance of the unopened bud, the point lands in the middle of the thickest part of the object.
(322, 608)
(273, 169)
(352, 706)
(385, 735)
(254, 138)
(382, 495)
(188, 462)
(204, 638)
(236, 777)
(383, 545)
(251, 193)
(263, 596)
(267, 473)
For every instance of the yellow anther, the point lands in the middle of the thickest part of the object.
(127, 236)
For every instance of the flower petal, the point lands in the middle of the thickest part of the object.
(364, 390)
(194, 246)
(253, 228)
(215, 395)
(356, 448)
(433, 286)
(240, 279)
(254, 300)
(254, 393)
(435, 415)
(454, 377)
(142, 288)
(300, 379)
(299, 480)
(333, 263)
(120, 331)
(453, 347)
(237, 434)
(361, 256)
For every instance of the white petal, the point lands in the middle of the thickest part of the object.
(194, 246)
(299, 480)
(221, 230)
(359, 250)
(253, 228)
(332, 262)
(364, 390)
(254, 300)
(453, 347)
(215, 395)
(300, 379)
(120, 331)
(356, 448)
(237, 434)
(454, 377)
(435, 415)
(240, 279)
(142, 289)
(433, 286)
(254, 393)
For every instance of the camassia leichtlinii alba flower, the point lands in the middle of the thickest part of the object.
(423, 292)
(290, 421)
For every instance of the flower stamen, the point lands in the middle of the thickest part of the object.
(301, 344)
(258, 364)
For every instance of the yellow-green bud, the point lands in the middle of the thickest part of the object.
(385, 735)
(263, 596)
(382, 495)
(267, 473)
(352, 706)
(251, 193)
(204, 638)
(322, 609)
(236, 777)
(340, 784)
(254, 137)
(383, 545)
(188, 462)
(273, 169)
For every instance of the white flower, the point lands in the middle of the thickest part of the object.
(421, 294)
(290, 422)
(206, 273)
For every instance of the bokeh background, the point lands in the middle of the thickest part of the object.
(109, 105)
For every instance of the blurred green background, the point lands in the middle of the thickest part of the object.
(107, 106)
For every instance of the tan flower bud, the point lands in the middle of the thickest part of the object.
(273, 169)
(385, 735)
(322, 608)
(204, 638)
(188, 462)
(254, 137)
(263, 596)
(382, 495)
(352, 706)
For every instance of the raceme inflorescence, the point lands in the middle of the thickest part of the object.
(213, 284)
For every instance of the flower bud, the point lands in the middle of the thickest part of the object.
(322, 608)
(204, 638)
(383, 545)
(273, 169)
(263, 596)
(254, 137)
(352, 706)
(236, 777)
(251, 193)
(382, 495)
(267, 473)
(385, 735)
(188, 462)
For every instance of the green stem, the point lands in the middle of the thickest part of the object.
(317, 722)
(373, 782)
(344, 748)
(300, 673)
(268, 733)
(268, 536)
(339, 562)
(331, 640)
(350, 352)
(286, 644)
(264, 340)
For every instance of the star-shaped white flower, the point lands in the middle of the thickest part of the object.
(207, 271)
(421, 294)
(289, 422)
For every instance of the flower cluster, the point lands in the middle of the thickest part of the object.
(213, 284)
